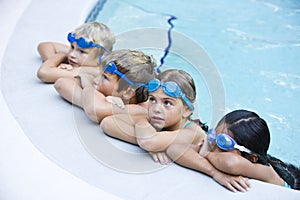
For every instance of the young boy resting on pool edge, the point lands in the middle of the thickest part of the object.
(87, 43)
(124, 73)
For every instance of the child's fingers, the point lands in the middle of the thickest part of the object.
(154, 156)
(69, 67)
(109, 99)
(119, 103)
(115, 101)
(230, 187)
(160, 158)
(163, 158)
(244, 183)
(241, 184)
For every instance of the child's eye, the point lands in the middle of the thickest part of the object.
(82, 52)
(152, 99)
(72, 46)
(104, 76)
(168, 103)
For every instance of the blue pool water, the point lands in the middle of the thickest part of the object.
(255, 46)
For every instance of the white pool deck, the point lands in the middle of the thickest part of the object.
(60, 167)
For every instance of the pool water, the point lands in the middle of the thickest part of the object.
(255, 46)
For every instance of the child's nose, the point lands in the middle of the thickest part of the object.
(73, 53)
(158, 108)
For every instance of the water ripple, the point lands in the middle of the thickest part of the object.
(290, 81)
(260, 42)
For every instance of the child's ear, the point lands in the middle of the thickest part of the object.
(187, 112)
(253, 158)
(128, 94)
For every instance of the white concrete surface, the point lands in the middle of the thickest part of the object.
(25, 173)
(41, 155)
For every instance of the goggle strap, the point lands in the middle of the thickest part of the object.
(187, 101)
(101, 47)
(123, 76)
(127, 80)
(211, 137)
(242, 148)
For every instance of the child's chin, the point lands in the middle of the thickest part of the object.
(75, 65)
(157, 126)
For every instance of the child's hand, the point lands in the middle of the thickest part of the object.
(65, 66)
(161, 157)
(206, 146)
(233, 183)
(116, 101)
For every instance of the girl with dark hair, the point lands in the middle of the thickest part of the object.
(238, 146)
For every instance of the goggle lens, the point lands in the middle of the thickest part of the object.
(171, 89)
(110, 68)
(225, 142)
(83, 43)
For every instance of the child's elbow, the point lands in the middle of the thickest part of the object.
(148, 144)
(58, 85)
(41, 46)
(42, 49)
(91, 113)
(103, 125)
(42, 75)
(231, 165)
(145, 144)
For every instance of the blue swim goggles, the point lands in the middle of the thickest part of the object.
(83, 43)
(112, 69)
(225, 142)
(171, 89)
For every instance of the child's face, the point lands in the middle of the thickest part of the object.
(164, 111)
(205, 145)
(107, 84)
(82, 57)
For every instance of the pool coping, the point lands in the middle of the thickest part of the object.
(34, 164)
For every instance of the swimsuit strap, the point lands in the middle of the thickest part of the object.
(286, 185)
(187, 124)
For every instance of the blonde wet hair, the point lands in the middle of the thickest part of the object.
(97, 32)
(136, 65)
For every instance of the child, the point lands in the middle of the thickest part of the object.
(168, 121)
(242, 140)
(124, 74)
(88, 42)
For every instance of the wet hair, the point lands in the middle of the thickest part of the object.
(183, 79)
(186, 83)
(137, 66)
(97, 32)
(252, 132)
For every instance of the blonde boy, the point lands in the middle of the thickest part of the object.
(124, 74)
(87, 43)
